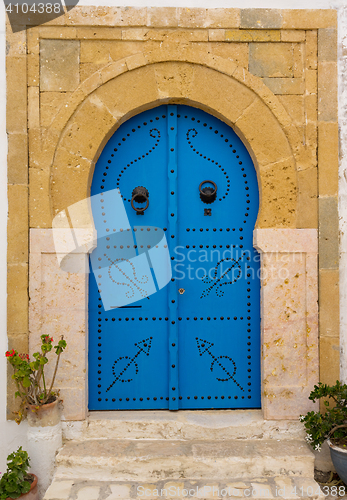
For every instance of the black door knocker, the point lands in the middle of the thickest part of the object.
(140, 195)
(208, 194)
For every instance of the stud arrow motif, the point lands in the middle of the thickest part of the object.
(143, 346)
(205, 347)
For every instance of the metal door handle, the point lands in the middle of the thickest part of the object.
(208, 194)
(140, 194)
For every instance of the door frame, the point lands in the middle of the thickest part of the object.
(266, 129)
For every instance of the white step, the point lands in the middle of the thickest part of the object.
(183, 425)
(148, 460)
(286, 488)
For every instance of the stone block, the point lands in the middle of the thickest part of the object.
(328, 233)
(58, 32)
(16, 91)
(59, 65)
(77, 166)
(75, 407)
(91, 83)
(160, 17)
(272, 145)
(50, 103)
(311, 135)
(33, 107)
(17, 298)
(119, 491)
(309, 19)
(17, 229)
(278, 188)
(298, 60)
(271, 60)
(329, 360)
(192, 17)
(88, 69)
(236, 52)
(311, 81)
(33, 41)
(173, 80)
(112, 70)
(311, 49)
(328, 158)
(88, 493)
(327, 91)
(174, 489)
(39, 201)
(223, 18)
(94, 16)
(41, 157)
(327, 44)
(136, 34)
(293, 35)
(254, 35)
(117, 98)
(33, 70)
(294, 104)
(216, 35)
(59, 490)
(285, 86)
(99, 33)
(135, 61)
(307, 199)
(16, 43)
(311, 107)
(130, 16)
(84, 136)
(261, 18)
(119, 50)
(94, 51)
(329, 310)
(220, 93)
(17, 159)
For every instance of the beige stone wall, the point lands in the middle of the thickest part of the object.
(270, 74)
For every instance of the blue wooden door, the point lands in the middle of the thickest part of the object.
(186, 181)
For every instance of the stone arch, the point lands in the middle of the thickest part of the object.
(124, 88)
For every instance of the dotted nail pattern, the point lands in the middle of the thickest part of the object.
(217, 283)
(192, 132)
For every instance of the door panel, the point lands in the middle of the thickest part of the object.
(196, 342)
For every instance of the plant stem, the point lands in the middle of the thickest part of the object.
(54, 375)
(44, 382)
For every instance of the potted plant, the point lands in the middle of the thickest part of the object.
(16, 482)
(330, 425)
(32, 386)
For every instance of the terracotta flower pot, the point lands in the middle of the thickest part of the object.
(32, 494)
(44, 415)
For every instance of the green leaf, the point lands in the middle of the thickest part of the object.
(26, 382)
(25, 486)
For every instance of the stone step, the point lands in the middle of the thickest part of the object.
(147, 460)
(206, 424)
(257, 488)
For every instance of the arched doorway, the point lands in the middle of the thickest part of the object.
(194, 343)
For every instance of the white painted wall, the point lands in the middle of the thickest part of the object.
(11, 435)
